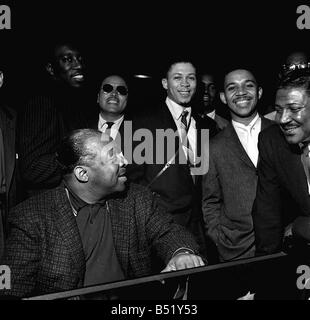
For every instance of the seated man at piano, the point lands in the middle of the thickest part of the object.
(92, 229)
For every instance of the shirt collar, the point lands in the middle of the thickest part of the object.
(249, 126)
(103, 121)
(176, 109)
(211, 114)
(76, 202)
(305, 146)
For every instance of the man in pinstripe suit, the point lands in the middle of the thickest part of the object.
(57, 107)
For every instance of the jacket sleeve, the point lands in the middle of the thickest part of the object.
(165, 235)
(267, 219)
(39, 136)
(22, 254)
(211, 201)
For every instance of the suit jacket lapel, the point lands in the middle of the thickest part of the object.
(68, 229)
(167, 118)
(290, 156)
(235, 145)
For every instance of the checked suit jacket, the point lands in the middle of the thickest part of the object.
(44, 248)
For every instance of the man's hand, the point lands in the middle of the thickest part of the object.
(183, 261)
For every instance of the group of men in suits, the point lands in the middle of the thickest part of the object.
(215, 204)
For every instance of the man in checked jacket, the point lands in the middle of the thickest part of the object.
(92, 228)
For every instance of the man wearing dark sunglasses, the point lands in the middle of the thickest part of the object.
(112, 100)
(58, 106)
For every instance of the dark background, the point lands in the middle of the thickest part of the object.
(136, 37)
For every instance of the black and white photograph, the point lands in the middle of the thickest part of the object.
(154, 152)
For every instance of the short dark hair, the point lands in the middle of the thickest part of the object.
(236, 67)
(51, 50)
(299, 78)
(73, 150)
(172, 60)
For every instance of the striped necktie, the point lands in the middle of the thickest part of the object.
(185, 142)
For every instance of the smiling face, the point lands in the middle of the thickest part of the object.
(180, 82)
(293, 114)
(68, 66)
(241, 94)
(107, 170)
(113, 103)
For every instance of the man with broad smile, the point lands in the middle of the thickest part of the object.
(229, 187)
(60, 104)
(284, 184)
(174, 185)
(92, 228)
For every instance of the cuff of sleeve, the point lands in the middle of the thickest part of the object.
(183, 250)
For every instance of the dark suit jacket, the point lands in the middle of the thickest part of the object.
(44, 248)
(46, 118)
(8, 127)
(282, 192)
(175, 188)
(229, 190)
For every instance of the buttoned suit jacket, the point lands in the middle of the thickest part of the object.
(282, 191)
(229, 190)
(175, 189)
(44, 248)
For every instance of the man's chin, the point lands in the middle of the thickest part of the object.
(293, 139)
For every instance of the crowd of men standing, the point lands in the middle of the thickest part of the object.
(78, 207)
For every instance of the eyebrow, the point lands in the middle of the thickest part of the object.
(246, 81)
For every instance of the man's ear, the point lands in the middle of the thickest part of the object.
(81, 173)
(223, 98)
(260, 92)
(49, 68)
(164, 83)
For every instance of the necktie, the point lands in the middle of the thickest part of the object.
(108, 128)
(185, 142)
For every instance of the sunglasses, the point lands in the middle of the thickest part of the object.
(292, 67)
(122, 90)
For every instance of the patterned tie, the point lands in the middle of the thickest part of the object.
(185, 142)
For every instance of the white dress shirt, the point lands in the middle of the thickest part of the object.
(248, 136)
(102, 126)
